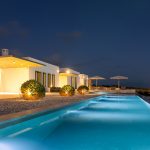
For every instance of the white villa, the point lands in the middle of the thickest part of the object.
(72, 77)
(14, 71)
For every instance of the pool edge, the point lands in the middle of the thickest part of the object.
(15, 118)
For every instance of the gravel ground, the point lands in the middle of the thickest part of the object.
(8, 106)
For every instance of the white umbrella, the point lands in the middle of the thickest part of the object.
(96, 78)
(119, 78)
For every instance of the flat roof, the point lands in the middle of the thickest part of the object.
(68, 71)
(39, 61)
(15, 62)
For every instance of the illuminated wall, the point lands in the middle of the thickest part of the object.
(67, 80)
(47, 68)
(67, 77)
(12, 78)
(63, 80)
(0, 80)
(83, 80)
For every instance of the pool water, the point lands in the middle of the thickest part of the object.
(107, 122)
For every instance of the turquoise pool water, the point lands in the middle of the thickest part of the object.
(108, 122)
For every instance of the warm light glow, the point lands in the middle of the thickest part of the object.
(14, 62)
(57, 71)
(83, 91)
(62, 80)
(67, 71)
(29, 92)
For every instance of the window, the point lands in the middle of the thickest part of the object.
(53, 80)
(44, 79)
(71, 81)
(74, 82)
(84, 81)
(38, 76)
(49, 80)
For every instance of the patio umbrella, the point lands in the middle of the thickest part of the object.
(96, 78)
(119, 78)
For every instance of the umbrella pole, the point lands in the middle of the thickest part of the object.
(96, 83)
(118, 83)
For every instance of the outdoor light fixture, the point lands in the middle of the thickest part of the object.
(66, 92)
(83, 91)
(28, 92)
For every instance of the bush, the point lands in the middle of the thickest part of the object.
(67, 90)
(55, 89)
(83, 89)
(32, 90)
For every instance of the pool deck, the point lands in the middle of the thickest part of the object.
(17, 107)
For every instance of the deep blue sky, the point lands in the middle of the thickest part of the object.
(96, 37)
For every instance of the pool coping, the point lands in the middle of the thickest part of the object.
(15, 118)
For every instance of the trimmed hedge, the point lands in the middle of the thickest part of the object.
(32, 90)
(55, 89)
(67, 90)
(82, 89)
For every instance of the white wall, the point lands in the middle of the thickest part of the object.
(63, 80)
(83, 80)
(12, 79)
(65, 76)
(69, 80)
(47, 68)
(66, 80)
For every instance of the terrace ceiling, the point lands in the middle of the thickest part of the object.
(68, 74)
(14, 62)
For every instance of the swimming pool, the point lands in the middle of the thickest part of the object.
(107, 122)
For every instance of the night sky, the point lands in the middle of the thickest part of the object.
(96, 37)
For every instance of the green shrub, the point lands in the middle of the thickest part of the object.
(82, 89)
(55, 89)
(32, 90)
(67, 90)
